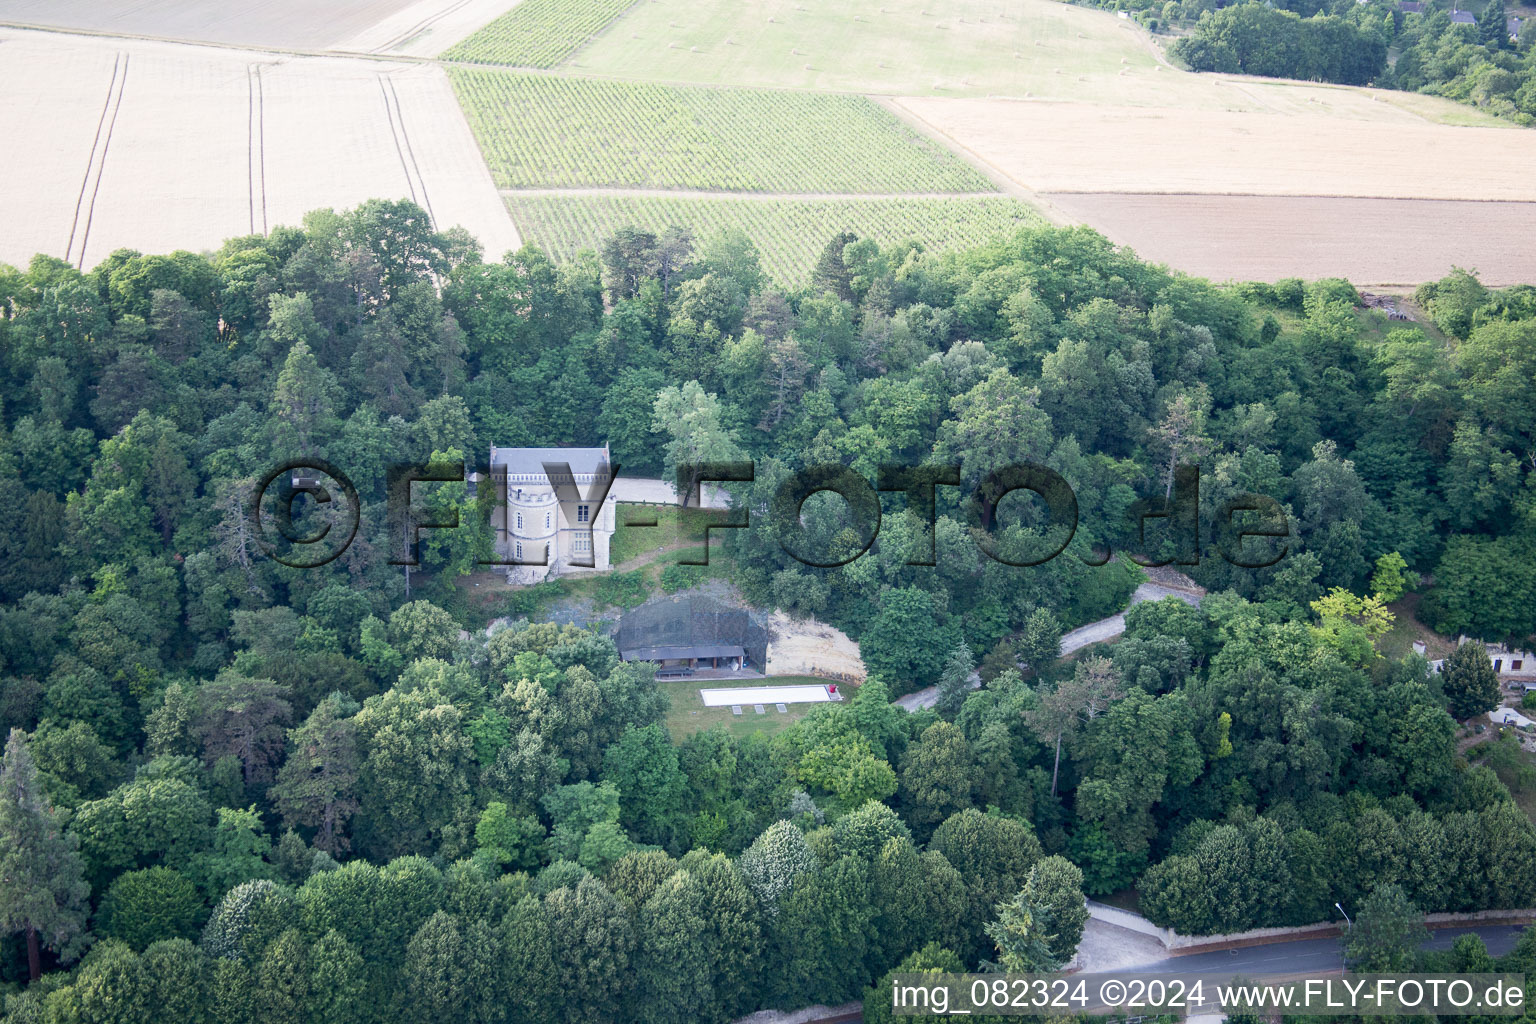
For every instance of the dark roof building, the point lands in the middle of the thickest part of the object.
(527, 464)
(692, 629)
(1462, 18)
(1513, 24)
(1411, 7)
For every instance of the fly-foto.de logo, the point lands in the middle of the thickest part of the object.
(1023, 514)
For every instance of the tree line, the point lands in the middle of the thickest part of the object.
(219, 763)
(1478, 63)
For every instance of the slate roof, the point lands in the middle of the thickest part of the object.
(530, 461)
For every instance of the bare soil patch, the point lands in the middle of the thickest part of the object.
(1380, 242)
(811, 648)
(1356, 148)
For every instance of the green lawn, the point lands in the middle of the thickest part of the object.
(633, 541)
(689, 715)
(895, 47)
(1406, 628)
(550, 131)
(790, 233)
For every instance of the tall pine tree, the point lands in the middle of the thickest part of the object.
(42, 889)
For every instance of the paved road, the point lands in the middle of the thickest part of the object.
(1082, 636)
(1319, 955)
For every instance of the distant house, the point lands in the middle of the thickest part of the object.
(1513, 25)
(1507, 662)
(1462, 18)
(683, 634)
(1411, 7)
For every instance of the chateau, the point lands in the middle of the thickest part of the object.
(552, 534)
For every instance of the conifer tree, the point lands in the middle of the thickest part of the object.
(42, 886)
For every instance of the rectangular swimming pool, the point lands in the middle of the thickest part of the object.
(764, 695)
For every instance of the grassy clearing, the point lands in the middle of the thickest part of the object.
(790, 233)
(896, 47)
(633, 541)
(689, 715)
(542, 130)
(1398, 642)
(538, 33)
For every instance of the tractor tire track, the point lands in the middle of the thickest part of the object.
(256, 148)
(418, 28)
(413, 177)
(120, 80)
(112, 88)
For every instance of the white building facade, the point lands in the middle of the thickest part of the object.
(551, 531)
(1511, 665)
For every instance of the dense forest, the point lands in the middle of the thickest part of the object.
(235, 790)
(1374, 43)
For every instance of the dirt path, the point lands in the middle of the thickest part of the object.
(642, 560)
(1077, 639)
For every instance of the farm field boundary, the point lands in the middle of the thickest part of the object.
(282, 23)
(1371, 242)
(538, 33)
(790, 233)
(1062, 147)
(546, 130)
(425, 28)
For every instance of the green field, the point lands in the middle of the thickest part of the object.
(538, 33)
(545, 130)
(790, 233)
(689, 715)
(895, 47)
(633, 541)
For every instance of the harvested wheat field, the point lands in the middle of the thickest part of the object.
(1069, 147)
(1381, 242)
(806, 647)
(157, 146)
